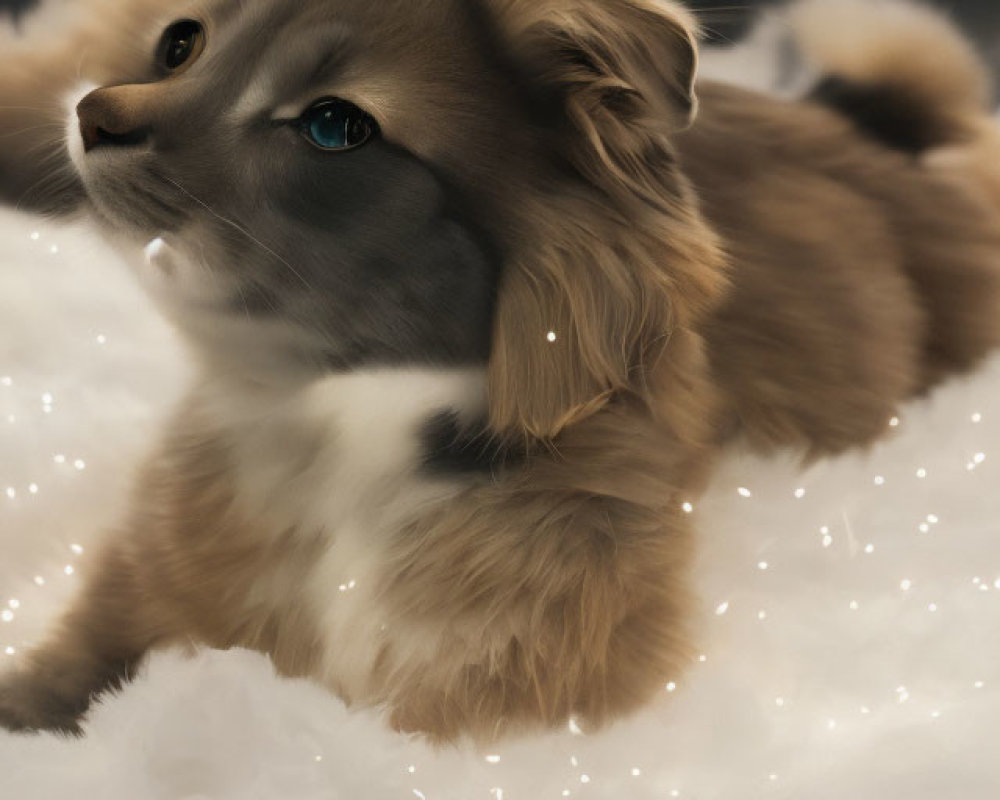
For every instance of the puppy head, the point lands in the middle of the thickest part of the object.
(314, 173)
(337, 183)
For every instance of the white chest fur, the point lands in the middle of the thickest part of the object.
(341, 457)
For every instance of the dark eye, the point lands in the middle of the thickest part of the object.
(182, 42)
(337, 125)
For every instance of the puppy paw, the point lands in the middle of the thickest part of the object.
(26, 706)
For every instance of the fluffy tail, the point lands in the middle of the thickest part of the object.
(902, 72)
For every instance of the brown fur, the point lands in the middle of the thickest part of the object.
(613, 324)
(768, 273)
(573, 576)
(861, 278)
(181, 572)
(586, 618)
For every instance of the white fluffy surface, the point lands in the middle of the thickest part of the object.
(851, 635)
(885, 699)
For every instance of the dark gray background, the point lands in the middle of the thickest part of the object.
(15, 7)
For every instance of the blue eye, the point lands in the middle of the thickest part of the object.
(337, 125)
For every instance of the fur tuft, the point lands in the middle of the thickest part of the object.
(901, 71)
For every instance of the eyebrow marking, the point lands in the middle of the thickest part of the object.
(318, 58)
(332, 59)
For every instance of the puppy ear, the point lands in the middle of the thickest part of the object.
(614, 261)
(615, 62)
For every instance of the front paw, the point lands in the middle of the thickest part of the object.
(28, 706)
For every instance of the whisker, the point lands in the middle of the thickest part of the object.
(243, 299)
(204, 266)
(153, 202)
(48, 172)
(236, 226)
(38, 109)
(202, 263)
(710, 32)
(40, 126)
(49, 185)
(54, 151)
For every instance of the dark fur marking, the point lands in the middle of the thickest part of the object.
(887, 114)
(450, 449)
(17, 8)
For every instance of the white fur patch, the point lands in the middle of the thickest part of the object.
(74, 139)
(341, 457)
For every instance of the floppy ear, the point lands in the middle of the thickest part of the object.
(615, 259)
(616, 62)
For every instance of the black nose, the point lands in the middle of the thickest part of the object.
(106, 121)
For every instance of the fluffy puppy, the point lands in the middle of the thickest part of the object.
(475, 304)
